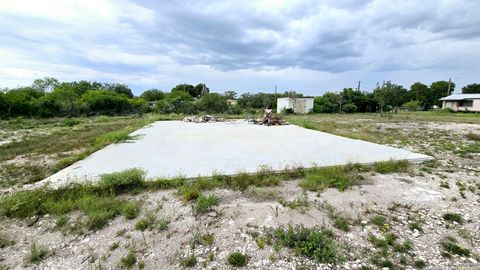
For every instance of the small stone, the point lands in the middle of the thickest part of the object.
(472, 260)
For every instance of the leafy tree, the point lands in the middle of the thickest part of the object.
(421, 93)
(45, 84)
(257, 101)
(230, 94)
(390, 95)
(21, 101)
(152, 95)
(105, 102)
(187, 88)
(119, 88)
(412, 105)
(327, 103)
(200, 89)
(349, 108)
(473, 88)
(213, 103)
(66, 100)
(438, 90)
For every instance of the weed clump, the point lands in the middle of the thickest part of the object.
(391, 166)
(237, 259)
(189, 261)
(36, 253)
(114, 137)
(204, 203)
(336, 177)
(145, 223)
(315, 243)
(131, 209)
(473, 136)
(129, 261)
(450, 246)
(453, 217)
(5, 241)
(379, 220)
(122, 181)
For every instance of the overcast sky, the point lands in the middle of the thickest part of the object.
(308, 46)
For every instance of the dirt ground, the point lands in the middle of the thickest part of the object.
(419, 197)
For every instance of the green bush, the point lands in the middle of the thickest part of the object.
(237, 259)
(204, 203)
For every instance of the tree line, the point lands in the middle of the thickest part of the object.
(49, 97)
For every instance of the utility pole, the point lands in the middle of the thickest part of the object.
(358, 88)
(276, 105)
(449, 84)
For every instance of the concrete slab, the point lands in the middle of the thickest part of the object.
(172, 148)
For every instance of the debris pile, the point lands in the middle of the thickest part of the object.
(269, 119)
(203, 119)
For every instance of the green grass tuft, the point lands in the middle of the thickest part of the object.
(392, 166)
(129, 261)
(188, 262)
(237, 259)
(453, 217)
(36, 253)
(204, 203)
(336, 177)
(315, 243)
(450, 246)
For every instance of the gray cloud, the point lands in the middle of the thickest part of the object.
(146, 43)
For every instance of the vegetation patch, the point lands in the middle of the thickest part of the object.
(391, 166)
(98, 202)
(189, 261)
(6, 241)
(316, 243)
(204, 203)
(450, 246)
(453, 217)
(129, 260)
(36, 253)
(237, 259)
(339, 177)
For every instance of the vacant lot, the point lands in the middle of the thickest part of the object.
(390, 214)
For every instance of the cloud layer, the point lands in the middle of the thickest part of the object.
(309, 46)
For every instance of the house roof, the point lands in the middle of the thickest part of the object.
(294, 97)
(461, 97)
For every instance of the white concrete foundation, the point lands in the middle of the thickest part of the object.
(172, 148)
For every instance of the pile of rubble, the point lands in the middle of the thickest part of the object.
(203, 119)
(269, 119)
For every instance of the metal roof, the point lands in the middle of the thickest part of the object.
(461, 97)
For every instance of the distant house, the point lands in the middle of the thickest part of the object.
(462, 102)
(298, 105)
(232, 102)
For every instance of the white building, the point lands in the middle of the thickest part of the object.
(299, 104)
(462, 102)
